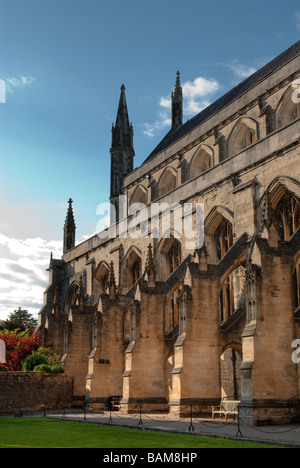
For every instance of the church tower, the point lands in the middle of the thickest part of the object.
(69, 229)
(177, 104)
(122, 154)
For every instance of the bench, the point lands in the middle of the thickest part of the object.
(227, 407)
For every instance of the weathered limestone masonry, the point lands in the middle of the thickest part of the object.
(163, 322)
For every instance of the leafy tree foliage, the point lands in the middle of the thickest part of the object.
(20, 320)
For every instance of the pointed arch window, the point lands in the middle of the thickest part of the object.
(131, 268)
(288, 216)
(174, 256)
(248, 140)
(287, 111)
(201, 162)
(244, 134)
(167, 182)
(223, 239)
(139, 196)
(136, 270)
(233, 294)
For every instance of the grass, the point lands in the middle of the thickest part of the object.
(50, 433)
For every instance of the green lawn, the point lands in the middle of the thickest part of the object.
(50, 433)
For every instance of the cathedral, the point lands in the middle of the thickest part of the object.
(164, 319)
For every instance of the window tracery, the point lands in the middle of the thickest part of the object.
(287, 217)
(223, 239)
(167, 182)
(201, 162)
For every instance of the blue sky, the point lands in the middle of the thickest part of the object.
(63, 62)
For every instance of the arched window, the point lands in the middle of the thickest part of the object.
(101, 278)
(248, 140)
(167, 182)
(232, 294)
(223, 239)
(287, 109)
(296, 286)
(72, 297)
(218, 228)
(136, 270)
(139, 196)
(201, 162)
(243, 135)
(174, 256)
(172, 313)
(287, 216)
(131, 268)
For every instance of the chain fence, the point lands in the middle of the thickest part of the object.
(141, 414)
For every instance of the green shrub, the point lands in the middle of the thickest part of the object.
(34, 360)
(43, 360)
(49, 368)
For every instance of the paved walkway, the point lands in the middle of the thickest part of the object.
(287, 435)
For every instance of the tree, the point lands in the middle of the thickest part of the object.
(20, 320)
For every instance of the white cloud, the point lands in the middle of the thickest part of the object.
(151, 129)
(23, 275)
(196, 96)
(21, 81)
(241, 71)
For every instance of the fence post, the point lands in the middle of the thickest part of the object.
(140, 422)
(191, 428)
(239, 433)
(110, 407)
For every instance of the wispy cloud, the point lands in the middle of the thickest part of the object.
(151, 129)
(241, 71)
(23, 275)
(196, 97)
(21, 81)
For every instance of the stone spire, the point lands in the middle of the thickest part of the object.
(122, 154)
(122, 131)
(112, 287)
(69, 229)
(177, 104)
(150, 268)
